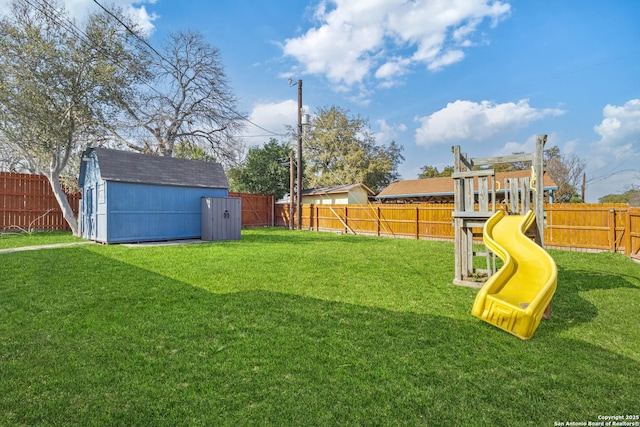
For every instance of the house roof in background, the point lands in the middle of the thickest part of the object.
(127, 166)
(443, 186)
(335, 189)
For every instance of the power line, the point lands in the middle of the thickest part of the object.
(70, 26)
(622, 160)
(602, 178)
(270, 132)
(263, 135)
(132, 32)
(146, 43)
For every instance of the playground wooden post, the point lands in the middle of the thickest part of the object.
(538, 205)
(466, 218)
(520, 195)
(458, 205)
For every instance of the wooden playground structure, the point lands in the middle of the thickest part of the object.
(476, 200)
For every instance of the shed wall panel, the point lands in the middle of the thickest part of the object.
(143, 212)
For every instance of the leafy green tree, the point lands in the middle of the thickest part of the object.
(631, 197)
(186, 150)
(634, 197)
(264, 171)
(341, 149)
(433, 172)
(59, 86)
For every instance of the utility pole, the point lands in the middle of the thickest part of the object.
(291, 187)
(584, 184)
(299, 159)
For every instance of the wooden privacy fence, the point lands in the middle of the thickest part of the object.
(257, 209)
(603, 227)
(597, 227)
(28, 203)
(423, 221)
(408, 221)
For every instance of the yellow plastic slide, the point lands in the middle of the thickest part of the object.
(516, 296)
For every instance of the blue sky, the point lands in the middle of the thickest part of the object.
(486, 75)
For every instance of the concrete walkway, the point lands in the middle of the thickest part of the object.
(88, 242)
(35, 248)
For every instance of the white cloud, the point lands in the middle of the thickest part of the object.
(140, 16)
(447, 58)
(612, 164)
(619, 135)
(620, 127)
(529, 146)
(80, 9)
(388, 132)
(361, 96)
(571, 147)
(392, 68)
(272, 117)
(468, 120)
(353, 38)
(336, 49)
(509, 148)
(460, 34)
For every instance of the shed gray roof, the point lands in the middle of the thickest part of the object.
(126, 166)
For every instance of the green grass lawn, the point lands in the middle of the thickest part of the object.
(289, 328)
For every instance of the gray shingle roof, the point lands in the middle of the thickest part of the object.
(126, 166)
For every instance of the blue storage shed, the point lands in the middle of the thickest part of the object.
(132, 197)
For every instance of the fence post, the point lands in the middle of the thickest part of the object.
(612, 229)
(346, 220)
(627, 233)
(272, 201)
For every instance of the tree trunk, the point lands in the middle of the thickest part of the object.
(61, 197)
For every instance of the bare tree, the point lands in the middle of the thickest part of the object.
(58, 86)
(566, 170)
(188, 101)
